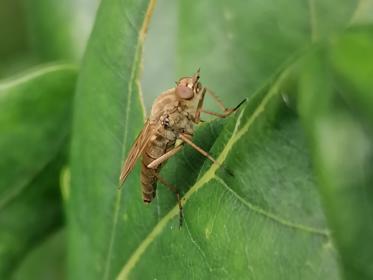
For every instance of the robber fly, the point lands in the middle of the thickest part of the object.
(170, 125)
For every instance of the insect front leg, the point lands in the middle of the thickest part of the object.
(197, 115)
(155, 163)
(188, 139)
(226, 111)
(175, 191)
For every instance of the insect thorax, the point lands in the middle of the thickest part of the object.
(177, 121)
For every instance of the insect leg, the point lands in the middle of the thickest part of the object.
(216, 99)
(174, 190)
(197, 116)
(226, 111)
(187, 139)
(164, 157)
(217, 114)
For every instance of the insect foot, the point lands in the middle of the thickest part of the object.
(229, 111)
(239, 105)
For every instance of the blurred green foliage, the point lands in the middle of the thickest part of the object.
(335, 103)
(299, 204)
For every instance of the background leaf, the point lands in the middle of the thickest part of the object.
(15, 53)
(239, 45)
(159, 62)
(334, 103)
(34, 126)
(42, 31)
(47, 261)
(60, 29)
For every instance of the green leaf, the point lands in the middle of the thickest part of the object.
(45, 262)
(266, 220)
(353, 64)
(34, 119)
(34, 125)
(60, 29)
(30, 217)
(14, 48)
(12, 27)
(267, 215)
(336, 104)
(108, 115)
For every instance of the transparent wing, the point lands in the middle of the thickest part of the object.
(137, 148)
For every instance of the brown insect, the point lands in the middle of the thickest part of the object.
(172, 118)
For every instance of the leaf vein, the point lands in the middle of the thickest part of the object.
(198, 247)
(272, 216)
(39, 71)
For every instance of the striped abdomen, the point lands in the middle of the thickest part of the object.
(157, 147)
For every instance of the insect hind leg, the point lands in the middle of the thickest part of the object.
(175, 191)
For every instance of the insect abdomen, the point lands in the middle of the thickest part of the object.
(148, 179)
(154, 150)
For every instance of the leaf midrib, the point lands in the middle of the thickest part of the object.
(133, 80)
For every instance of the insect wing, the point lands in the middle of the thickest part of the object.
(136, 150)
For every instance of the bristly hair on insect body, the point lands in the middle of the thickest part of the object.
(173, 116)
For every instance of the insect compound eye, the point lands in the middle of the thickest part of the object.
(184, 92)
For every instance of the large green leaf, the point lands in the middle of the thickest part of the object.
(108, 115)
(265, 220)
(35, 111)
(336, 105)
